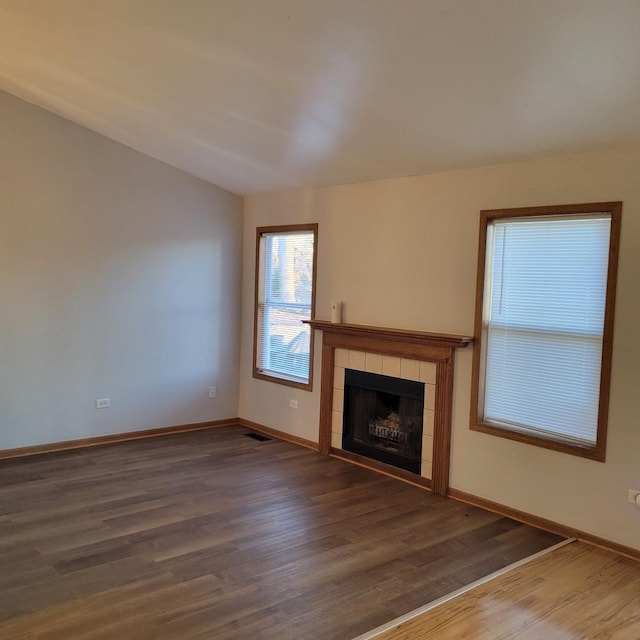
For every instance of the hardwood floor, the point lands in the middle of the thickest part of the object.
(578, 591)
(214, 535)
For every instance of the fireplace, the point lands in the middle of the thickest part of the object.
(383, 418)
(389, 424)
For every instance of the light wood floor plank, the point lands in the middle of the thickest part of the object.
(575, 592)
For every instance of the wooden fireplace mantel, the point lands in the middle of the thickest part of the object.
(403, 335)
(434, 347)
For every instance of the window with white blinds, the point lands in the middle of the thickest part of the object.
(543, 329)
(284, 298)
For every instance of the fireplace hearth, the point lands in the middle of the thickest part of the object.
(383, 418)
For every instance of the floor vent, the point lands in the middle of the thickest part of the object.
(257, 436)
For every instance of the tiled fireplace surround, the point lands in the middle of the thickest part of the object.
(393, 366)
(412, 355)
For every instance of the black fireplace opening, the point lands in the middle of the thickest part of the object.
(383, 418)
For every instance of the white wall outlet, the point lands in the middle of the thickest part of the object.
(212, 392)
(103, 403)
(633, 494)
(293, 404)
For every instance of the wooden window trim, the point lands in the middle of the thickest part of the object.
(597, 452)
(260, 231)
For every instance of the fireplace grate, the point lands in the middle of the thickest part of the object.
(383, 418)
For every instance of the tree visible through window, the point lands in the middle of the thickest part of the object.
(285, 277)
(544, 320)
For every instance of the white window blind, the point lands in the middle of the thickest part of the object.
(284, 301)
(543, 320)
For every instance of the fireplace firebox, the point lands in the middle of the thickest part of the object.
(383, 418)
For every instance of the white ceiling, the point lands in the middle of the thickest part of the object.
(266, 95)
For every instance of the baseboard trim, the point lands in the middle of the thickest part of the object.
(543, 523)
(281, 435)
(68, 445)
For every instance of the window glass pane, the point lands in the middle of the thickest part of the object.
(550, 273)
(287, 346)
(290, 268)
(543, 381)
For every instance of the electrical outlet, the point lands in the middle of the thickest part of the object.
(633, 493)
(103, 403)
(293, 404)
(212, 392)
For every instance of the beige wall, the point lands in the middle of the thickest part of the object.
(402, 253)
(119, 277)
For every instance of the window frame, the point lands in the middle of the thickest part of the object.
(598, 451)
(283, 229)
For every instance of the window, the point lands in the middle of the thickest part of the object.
(285, 296)
(544, 321)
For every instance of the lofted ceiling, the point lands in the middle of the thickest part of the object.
(265, 95)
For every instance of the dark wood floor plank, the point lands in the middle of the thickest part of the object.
(213, 535)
